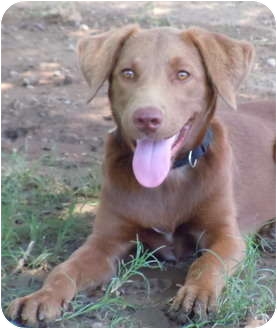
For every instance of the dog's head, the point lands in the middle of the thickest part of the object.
(164, 84)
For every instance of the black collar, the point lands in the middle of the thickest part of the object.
(192, 156)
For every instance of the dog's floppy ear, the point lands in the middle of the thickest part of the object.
(98, 54)
(227, 61)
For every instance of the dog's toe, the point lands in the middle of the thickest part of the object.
(40, 306)
(191, 304)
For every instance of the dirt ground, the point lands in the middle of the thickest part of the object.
(44, 108)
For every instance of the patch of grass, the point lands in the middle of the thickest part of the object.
(41, 224)
(126, 270)
(248, 293)
(87, 185)
(112, 304)
(41, 209)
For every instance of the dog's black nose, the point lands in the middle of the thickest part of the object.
(147, 119)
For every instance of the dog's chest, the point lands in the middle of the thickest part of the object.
(162, 209)
(159, 211)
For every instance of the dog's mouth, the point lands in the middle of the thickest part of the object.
(153, 158)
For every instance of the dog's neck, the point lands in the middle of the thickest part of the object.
(191, 158)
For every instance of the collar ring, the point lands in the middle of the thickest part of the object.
(191, 162)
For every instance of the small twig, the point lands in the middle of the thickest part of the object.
(23, 260)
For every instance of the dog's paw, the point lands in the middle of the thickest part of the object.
(41, 306)
(192, 304)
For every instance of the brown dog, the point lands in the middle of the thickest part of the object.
(171, 161)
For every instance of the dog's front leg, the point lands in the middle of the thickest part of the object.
(223, 249)
(91, 265)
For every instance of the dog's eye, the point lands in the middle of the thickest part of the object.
(128, 74)
(183, 75)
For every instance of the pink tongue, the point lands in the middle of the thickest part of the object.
(151, 161)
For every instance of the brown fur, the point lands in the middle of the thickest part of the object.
(232, 186)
